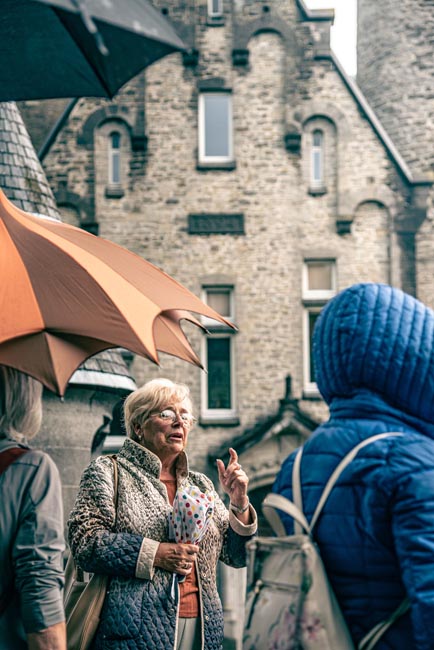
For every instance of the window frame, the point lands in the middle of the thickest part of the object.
(218, 415)
(313, 302)
(209, 323)
(215, 14)
(203, 158)
(317, 150)
(218, 330)
(112, 151)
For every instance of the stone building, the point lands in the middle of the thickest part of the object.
(261, 176)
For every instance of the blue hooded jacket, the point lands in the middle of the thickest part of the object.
(374, 360)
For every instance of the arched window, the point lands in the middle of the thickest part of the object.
(215, 8)
(114, 166)
(317, 159)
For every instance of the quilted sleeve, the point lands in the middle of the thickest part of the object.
(94, 545)
(413, 530)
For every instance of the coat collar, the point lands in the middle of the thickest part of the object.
(142, 457)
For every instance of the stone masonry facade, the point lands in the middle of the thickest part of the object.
(274, 60)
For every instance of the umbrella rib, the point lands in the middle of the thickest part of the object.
(100, 78)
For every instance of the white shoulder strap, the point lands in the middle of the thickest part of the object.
(295, 509)
(277, 501)
(340, 468)
(296, 489)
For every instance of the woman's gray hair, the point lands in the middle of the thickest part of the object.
(152, 396)
(20, 404)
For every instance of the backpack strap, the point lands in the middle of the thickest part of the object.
(296, 491)
(275, 501)
(338, 471)
(371, 639)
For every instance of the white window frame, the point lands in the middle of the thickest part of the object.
(215, 159)
(206, 289)
(313, 302)
(112, 152)
(218, 414)
(320, 294)
(211, 12)
(317, 150)
(219, 330)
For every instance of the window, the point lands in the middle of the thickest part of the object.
(317, 159)
(218, 386)
(319, 285)
(215, 8)
(114, 166)
(215, 128)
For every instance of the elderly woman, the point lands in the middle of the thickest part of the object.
(145, 609)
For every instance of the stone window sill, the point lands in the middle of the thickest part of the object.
(232, 421)
(216, 166)
(318, 191)
(114, 192)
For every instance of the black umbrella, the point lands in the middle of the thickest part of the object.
(78, 48)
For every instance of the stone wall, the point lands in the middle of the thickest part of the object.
(395, 69)
(284, 223)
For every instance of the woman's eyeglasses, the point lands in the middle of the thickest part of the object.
(171, 415)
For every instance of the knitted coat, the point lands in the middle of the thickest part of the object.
(374, 359)
(140, 610)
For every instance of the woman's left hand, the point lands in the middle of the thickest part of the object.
(234, 480)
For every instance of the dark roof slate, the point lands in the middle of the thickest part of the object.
(21, 175)
(23, 180)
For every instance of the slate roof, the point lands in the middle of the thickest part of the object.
(24, 182)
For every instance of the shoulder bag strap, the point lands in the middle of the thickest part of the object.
(8, 456)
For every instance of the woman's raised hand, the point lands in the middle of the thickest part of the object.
(176, 558)
(234, 480)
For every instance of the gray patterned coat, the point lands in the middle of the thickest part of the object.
(140, 612)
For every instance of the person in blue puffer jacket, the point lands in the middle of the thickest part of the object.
(374, 361)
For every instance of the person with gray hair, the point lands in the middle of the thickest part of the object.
(31, 524)
(145, 607)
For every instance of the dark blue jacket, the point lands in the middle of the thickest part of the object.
(374, 359)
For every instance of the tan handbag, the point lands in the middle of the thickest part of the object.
(83, 598)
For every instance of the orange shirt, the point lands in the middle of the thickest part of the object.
(189, 589)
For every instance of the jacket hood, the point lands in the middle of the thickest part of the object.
(376, 337)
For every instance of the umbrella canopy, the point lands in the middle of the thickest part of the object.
(66, 295)
(78, 48)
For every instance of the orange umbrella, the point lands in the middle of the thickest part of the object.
(66, 295)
